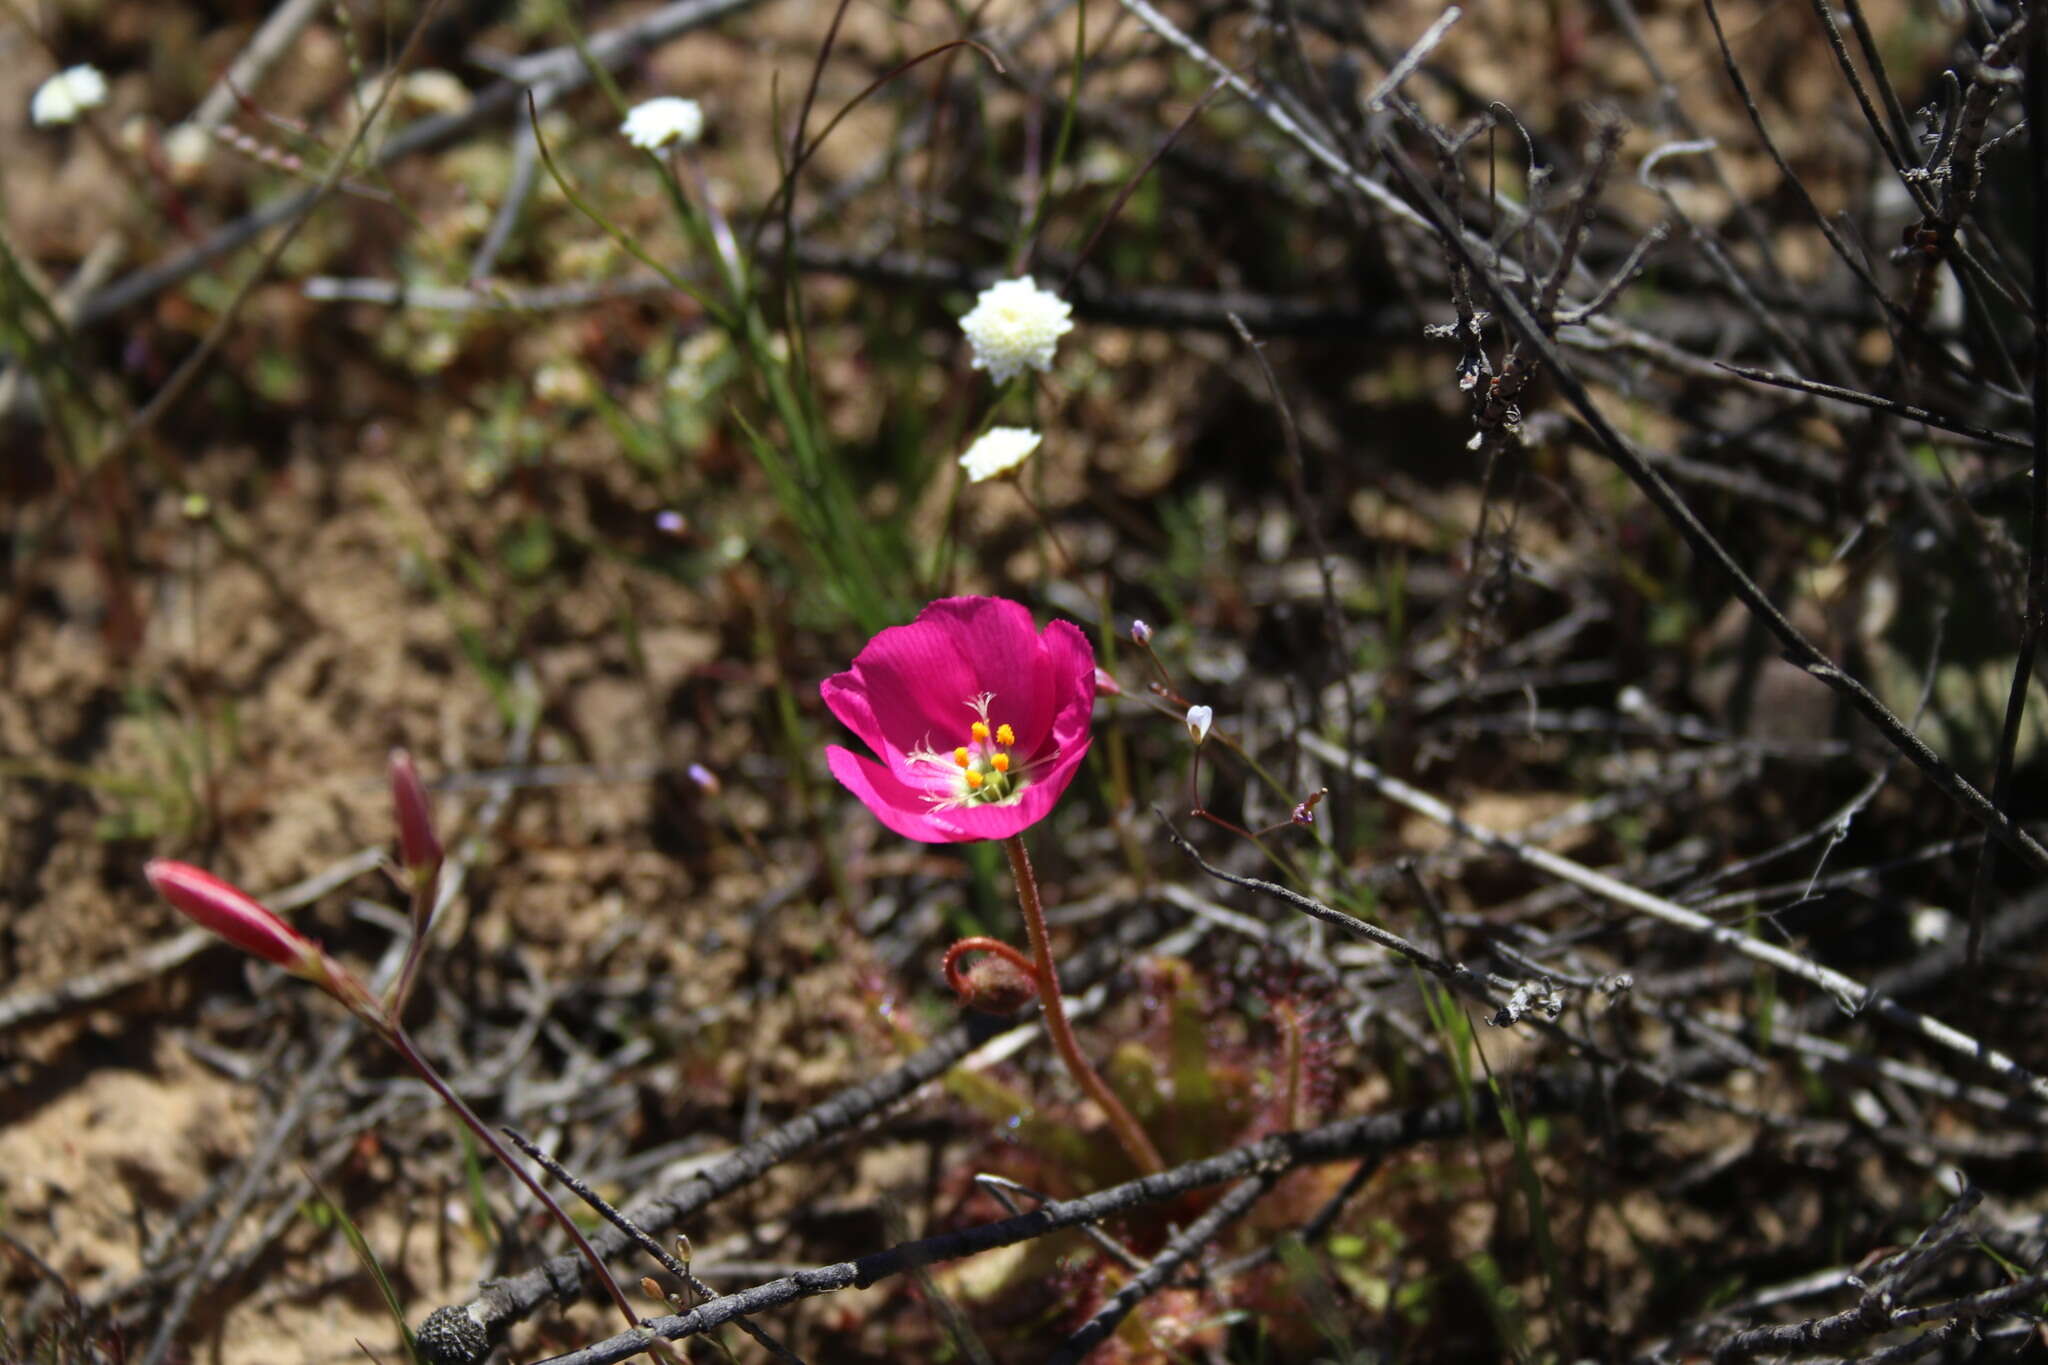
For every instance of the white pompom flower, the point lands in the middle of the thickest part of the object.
(659, 122)
(1016, 324)
(66, 95)
(998, 451)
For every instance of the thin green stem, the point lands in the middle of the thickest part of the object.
(1128, 1132)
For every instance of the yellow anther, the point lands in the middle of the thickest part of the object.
(1000, 762)
(960, 756)
(973, 780)
(980, 732)
(1005, 736)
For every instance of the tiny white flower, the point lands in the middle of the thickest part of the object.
(1016, 324)
(1199, 720)
(998, 451)
(1930, 925)
(66, 95)
(562, 382)
(187, 148)
(659, 122)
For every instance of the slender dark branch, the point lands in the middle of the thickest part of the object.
(1326, 565)
(1457, 974)
(1898, 1273)
(1154, 1277)
(1937, 420)
(1000, 1188)
(471, 1326)
(1799, 650)
(2037, 520)
(661, 1254)
(502, 1302)
(1870, 1318)
(1631, 267)
(1606, 142)
(1872, 58)
(1842, 249)
(1313, 1230)
(1130, 186)
(1893, 152)
(1371, 1135)
(1978, 1306)
(1874, 1312)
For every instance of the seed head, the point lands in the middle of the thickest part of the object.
(1015, 325)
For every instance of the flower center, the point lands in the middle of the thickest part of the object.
(983, 771)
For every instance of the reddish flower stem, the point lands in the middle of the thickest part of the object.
(395, 1034)
(1128, 1132)
(426, 887)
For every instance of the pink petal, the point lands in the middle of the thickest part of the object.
(901, 808)
(1070, 671)
(1001, 643)
(913, 685)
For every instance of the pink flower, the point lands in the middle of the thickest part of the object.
(979, 720)
(232, 913)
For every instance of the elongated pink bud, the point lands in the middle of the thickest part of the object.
(253, 927)
(418, 845)
(1106, 685)
(235, 915)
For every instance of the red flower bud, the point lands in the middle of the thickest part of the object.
(233, 914)
(1000, 980)
(418, 845)
(997, 986)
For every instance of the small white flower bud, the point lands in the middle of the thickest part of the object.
(659, 122)
(1199, 720)
(66, 95)
(999, 451)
